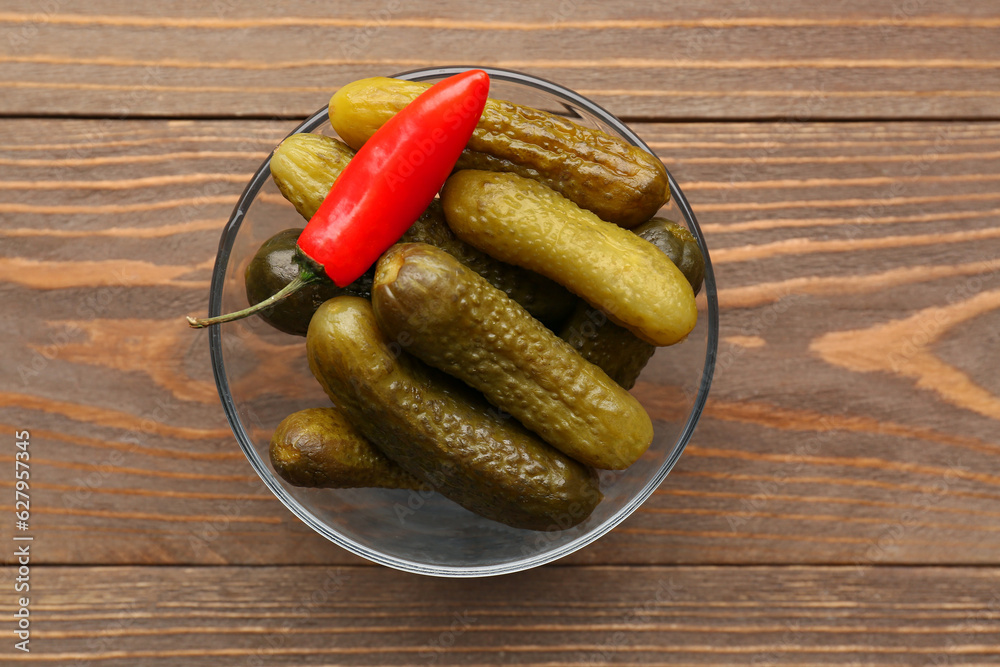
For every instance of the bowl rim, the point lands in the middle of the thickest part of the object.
(228, 237)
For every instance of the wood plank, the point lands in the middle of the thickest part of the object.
(640, 59)
(853, 418)
(552, 616)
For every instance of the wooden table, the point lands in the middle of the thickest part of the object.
(840, 500)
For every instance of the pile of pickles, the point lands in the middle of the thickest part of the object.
(487, 355)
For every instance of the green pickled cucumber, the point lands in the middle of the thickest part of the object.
(319, 448)
(273, 266)
(440, 431)
(617, 350)
(305, 167)
(524, 222)
(679, 244)
(454, 320)
(619, 182)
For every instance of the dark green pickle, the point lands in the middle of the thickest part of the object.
(274, 266)
(441, 431)
(679, 244)
(617, 350)
(480, 336)
(319, 448)
(614, 349)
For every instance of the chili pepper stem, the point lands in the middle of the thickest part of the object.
(304, 278)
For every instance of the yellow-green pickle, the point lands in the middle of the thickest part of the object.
(524, 222)
(617, 350)
(319, 448)
(305, 166)
(454, 320)
(439, 430)
(619, 182)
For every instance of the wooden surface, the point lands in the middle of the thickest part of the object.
(742, 59)
(279, 616)
(840, 500)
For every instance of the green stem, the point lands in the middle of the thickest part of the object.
(304, 278)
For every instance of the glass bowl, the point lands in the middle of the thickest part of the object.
(263, 376)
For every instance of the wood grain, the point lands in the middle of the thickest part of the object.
(850, 445)
(652, 60)
(553, 616)
(852, 420)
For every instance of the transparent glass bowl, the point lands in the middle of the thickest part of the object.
(263, 376)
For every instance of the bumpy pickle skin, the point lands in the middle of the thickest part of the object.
(617, 350)
(613, 349)
(524, 222)
(439, 430)
(619, 182)
(545, 299)
(305, 166)
(678, 243)
(457, 322)
(319, 448)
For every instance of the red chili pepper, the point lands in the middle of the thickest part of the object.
(386, 186)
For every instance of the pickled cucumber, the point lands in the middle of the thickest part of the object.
(617, 350)
(305, 166)
(439, 430)
(619, 182)
(679, 244)
(524, 222)
(614, 349)
(454, 320)
(319, 448)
